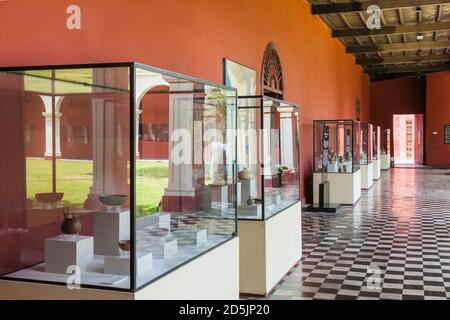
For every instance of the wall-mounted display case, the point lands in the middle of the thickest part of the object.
(337, 145)
(385, 149)
(122, 173)
(366, 155)
(268, 191)
(376, 153)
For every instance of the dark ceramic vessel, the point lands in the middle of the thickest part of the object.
(71, 224)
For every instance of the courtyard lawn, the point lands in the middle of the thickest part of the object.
(74, 178)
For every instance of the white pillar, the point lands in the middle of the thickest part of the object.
(287, 140)
(48, 116)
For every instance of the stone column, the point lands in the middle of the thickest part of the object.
(48, 116)
(287, 140)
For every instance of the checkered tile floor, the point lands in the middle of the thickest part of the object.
(394, 244)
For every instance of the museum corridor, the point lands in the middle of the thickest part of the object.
(399, 228)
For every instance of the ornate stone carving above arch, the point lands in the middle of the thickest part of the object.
(272, 73)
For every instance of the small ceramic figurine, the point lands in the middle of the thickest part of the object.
(71, 224)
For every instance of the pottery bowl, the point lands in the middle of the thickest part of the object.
(49, 197)
(125, 245)
(113, 199)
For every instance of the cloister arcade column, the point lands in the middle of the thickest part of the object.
(48, 118)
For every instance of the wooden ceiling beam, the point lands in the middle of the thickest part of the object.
(408, 69)
(356, 6)
(402, 59)
(389, 30)
(399, 46)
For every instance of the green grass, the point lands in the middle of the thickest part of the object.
(74, 178)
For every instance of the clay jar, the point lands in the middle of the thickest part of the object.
(245, 174)
(71, 224)
(250, 201)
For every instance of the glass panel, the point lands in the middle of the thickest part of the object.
(68, 156)
(366, 143)
(386, 142)
(185, 175)
(334, 146)
(376, 142)
(268, 148)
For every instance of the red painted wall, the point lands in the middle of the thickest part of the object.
(192, 37)
(438, 114)
(400, 96)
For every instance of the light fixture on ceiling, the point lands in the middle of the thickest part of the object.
(419, 37)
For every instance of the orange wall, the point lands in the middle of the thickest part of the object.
(438, 115)
(400, 96)
(192, 37)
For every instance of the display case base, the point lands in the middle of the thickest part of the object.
(327, 208)
(212, 276)
(109, 229)
(345, 188)
(385, 162)
(268, 250)
(366, 176)
(376, 169)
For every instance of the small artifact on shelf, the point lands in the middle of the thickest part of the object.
(49, 199)
(71, 224)
(218, 182)
(250, 201)
(113, 200)
(190, 219)
(245, 174)
(125, 246)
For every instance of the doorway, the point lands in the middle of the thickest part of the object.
(408, 139)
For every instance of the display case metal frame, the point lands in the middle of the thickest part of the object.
(132, 65)
(367, 169)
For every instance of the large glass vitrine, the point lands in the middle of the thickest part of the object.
(111, 172)
(376, 143)
(268, 158)
(366, 143)
(386, 142)
(336, 146)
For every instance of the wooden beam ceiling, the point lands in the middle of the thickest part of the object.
(402, 59)
(413, 69)
(327, 8)
(399, 46)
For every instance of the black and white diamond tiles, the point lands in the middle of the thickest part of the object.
(394, 244)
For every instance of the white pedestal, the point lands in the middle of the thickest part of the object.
(219, 194)
(268, 250)
(348, 166)
(385, 161)
(252, 211)
(238, 193)
(191, 237)
(376, 169)
(248, 189)
(64, 251)
(345, 188)
(164, 250)
(120, 265)
(366, 176)
(109, 229)
(164, 221)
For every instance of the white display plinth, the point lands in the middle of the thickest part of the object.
(165, 250)
(120, 265)
(376, 169)
(65, 250)
(212, 276)
(109, 229)
(248, 189)
(333, 167)
(385, 162)
(191, 237)
(366, 176)
(268, 250)
(254, 210)
(345, 188)
(219, 194)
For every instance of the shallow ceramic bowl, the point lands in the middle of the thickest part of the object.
(113, 199)
(50, 197)
(190, 219)
(158, 232)
(125, 245)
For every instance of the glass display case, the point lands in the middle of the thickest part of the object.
(268, 158)
(119, 173)
(376, 143)
(337, 175)
(336, 146)
(386, 149)
(366, 143)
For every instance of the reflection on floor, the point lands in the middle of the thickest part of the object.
(394, 244)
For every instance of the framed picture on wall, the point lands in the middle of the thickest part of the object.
(240, 77)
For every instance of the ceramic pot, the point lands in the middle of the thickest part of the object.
(245, 174)
(113, 200)
(250, 201)
(125, 245)
(71, 224)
